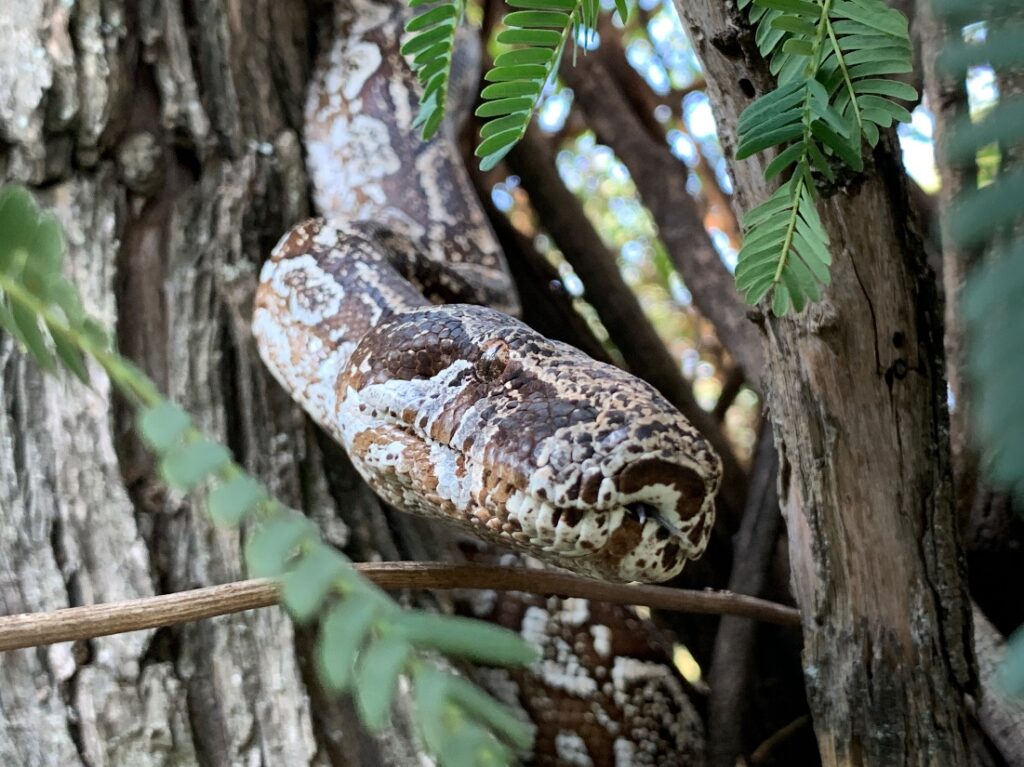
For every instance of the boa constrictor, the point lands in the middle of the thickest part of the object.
(458, 411)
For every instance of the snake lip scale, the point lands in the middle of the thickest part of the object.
(457, 410)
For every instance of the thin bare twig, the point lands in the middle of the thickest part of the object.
(762, 752)
(75, 623)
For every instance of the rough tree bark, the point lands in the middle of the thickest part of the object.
(857, 395)
(166, 136)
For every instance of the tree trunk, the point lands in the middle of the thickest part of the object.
(858, 399)
(166, 136)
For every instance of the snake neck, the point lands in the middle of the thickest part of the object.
(367, 162)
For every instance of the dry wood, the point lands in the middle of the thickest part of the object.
(858, 400)
(89, 622)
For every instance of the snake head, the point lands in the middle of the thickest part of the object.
(464, 412)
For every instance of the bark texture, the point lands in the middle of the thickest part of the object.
(858, 399)
(166, 136)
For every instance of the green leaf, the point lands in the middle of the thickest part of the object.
(72, 357)
(32, 337)
(466, 638)
(1004, 124)
(18, 216)
(497, 142)
(487, 710)
(185, 466)
(892, 88)
(163, 425)
(470, 746)
(342, 634)
(622, 7)
(515, 121)
(503, 107)
(380, 665)
(517, 72)
(796, 7)
(430, 692)
(977, 215)
(798, 47)
(530, 89)
(272, 546)
(785, 158)
(872, 14)
(428, 38)
(794, 24)
(539, 37)
(850, 155)
(993, 305)
(769, 139)
(532, 19)
(523, 56)
(431, 17)
(232, 500)
(544, 5)
(308, 584)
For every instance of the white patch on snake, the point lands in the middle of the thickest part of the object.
(602, 640)
(533, 628)
(402, 97)
(450, 485)
(312, 294)
(348, 162)
(438, 208)
(624, 750)
(629, 671)
(351, 65)
(273, 344)
(565, 671)
(574, 612)
(366, 15)
(572, 750)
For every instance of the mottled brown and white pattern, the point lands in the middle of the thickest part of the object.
(603, 694)
(458, 411)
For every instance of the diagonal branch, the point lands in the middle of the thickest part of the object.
(661, 179)
(77, 623)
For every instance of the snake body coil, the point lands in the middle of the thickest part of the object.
(458, 411)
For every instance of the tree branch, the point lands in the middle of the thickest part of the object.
(76, 623)
(729, 675)
(660, 179)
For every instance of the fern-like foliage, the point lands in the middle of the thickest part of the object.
(990, 219)
(429, 45)
(832, 59)
(540, 29)
(365, 640)
(788, 216)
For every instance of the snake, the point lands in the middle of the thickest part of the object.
(390, 318)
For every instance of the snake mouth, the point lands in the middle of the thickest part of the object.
(643, 512)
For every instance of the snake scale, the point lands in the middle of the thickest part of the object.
(389, 321)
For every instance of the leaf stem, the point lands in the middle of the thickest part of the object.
(845, 71)
(792, 224)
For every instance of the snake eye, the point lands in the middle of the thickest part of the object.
(493, 360)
